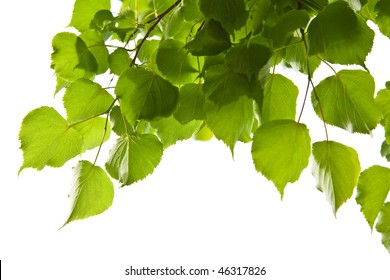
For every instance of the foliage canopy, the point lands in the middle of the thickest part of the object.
(177, 69)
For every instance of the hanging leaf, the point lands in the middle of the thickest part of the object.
(248, 58)
(191, 104)
(84, 12)
(336, 168)
(92, 191)
(261, 9)
(97, 48)
(47, 139)
(84, 99)
(382, 99)
(232, 121)
(190, 10)
(71, 58)
(93, 132)
(347, 101)
(385, 150)
(175, 63)
(280, 99)
(223, 86)
(383, 225)
(145, 95)
(232, 14)
(382, 8)
(119, 61)
(118, 122)
(212, 39)
(280, 151)
(134, 157)
(170, 130)
(373, 188)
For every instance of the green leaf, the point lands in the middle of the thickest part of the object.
(383, 225)
(260, 11)
(71, 59)
(288, 23)
(248, 58)
(84, 11)
(232, 14)
(134, 157)
(280, 99)
(177, 27)
(373, 188)
(223, 86)
(170, 130)
(212, 39)
(347, 101)
(281, 151)
(145, 95)
(382, 8)
(47, 139)
(84, 99)
(191, 104)
(190, 10)
(382, 99)
(231, 121)
(119, 61)
(92, 191)
(385, 150)
(339, 35)
(119, 123)
(336, 168)
(295, 56)
(175, 63)
(93, 131)
(97, 48)
(316, 5)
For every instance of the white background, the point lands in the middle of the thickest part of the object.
(200, 209)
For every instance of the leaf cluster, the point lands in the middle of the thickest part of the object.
(176, 69)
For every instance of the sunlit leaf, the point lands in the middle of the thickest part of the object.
(134, 157)
(119, 60)
(382, 8)
(336, 168)
(92, 191)
(373, 188)
(347, 101)
(191, 104)
(84, 99)
(281, 150)
(47, 139)
(93, 131)
(383, 225)
(85, 10)
(145, 95)
(96, 46)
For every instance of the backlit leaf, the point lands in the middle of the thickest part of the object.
(382, 8)
(281, 150)
(191, 104)
(84, 99)
(261, 9)
(96, 46)
(134, 157)
(231, 13)
(382, 99)
(93, 131)
(230, 121)
(92, 191)
(118, 122)
(385, 150)
(347, 101)
(145, 95)
(280, 99)
(85, 10)
(383, 225)
(175, 63)
(373, 188)
(119, 60)
(336, 168)
(47, 139)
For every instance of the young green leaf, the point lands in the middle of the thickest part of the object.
(191, 104)
(231, 121)
(382, 8)
(385, 150)
(118, 122)
(373, 188)
(119, 61)
(336, 168)
(93, 132)
(84, 11)
(223, 86)
(170, 130)
(232, 14)
(134, 157)
(145, 95)
(85, 99)
(281, 151)
(347, 101)
(98, 49)
(71, 59)
(280, 99)
(260, 12)
(47, 139)
(175, 63)
(383, 225)
(382, 99)
(212, 39)
(92, 191)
